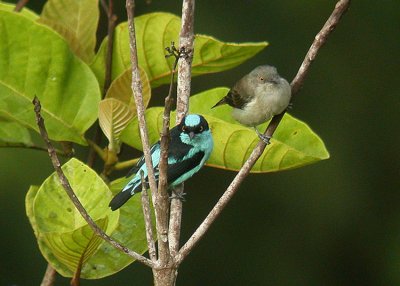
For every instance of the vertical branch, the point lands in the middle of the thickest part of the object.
(112, 19)
(186, 45)
(138, 96)
(147, 220)
(21, 4)
(49, 276)
(159, 205)
(340, 8)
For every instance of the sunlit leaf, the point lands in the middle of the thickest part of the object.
(26, 12)
(34, 60)
(64, 237)
(76, 21)
(12, 132)
(130, 232)
(293, 145)
(155, 32)
(121, 89)
(114, 115)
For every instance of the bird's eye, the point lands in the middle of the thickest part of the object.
(261, 78)
(184, 128)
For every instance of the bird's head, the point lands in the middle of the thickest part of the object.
(193, 127)
(264, 75)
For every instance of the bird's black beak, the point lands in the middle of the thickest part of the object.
(191, 135)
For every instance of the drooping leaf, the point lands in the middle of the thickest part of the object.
(155, 32)
(293, 145)
(26, 12)
(62, 227)
(12, 132)
(76, 21)
(34, 60)
(114, 115)
(64, 237)
(121, 89)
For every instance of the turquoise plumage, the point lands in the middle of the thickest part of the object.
(190, 147)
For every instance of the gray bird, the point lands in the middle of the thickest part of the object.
(257, 97)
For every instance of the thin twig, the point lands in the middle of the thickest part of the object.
(162, 197)
(67, 187)
(138, 96)
(147, 220)
(112, 19)
(340, 8)
(49, 276)
(21, 4)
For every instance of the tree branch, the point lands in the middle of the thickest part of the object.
(340, 8)
(67, 187)
(186, 44)
(112, 19)
(49, 276)
(147, 220)
(21, 4)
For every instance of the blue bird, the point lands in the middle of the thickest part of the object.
(190, 147)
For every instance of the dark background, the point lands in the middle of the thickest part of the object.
(336, 222)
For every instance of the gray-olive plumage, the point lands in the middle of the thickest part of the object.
(257, 97)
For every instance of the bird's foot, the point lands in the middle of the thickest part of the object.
(177, 196)
(263, 137)
(290, 105)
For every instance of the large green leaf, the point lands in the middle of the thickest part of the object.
(12, 132)
(34, 60)
(65, 239)
(76, 21)
(294, 144)
(155, 32)
(24, 12)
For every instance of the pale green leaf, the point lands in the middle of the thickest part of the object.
(64, 237)
(34, 60)
(121, 89)
(293, 145)
(129, 232)
(155, 32)
(76, 21)
(26, 12)
(114, 115)
(12, 132)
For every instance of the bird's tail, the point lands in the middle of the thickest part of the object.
(221, 102)
(123, 196)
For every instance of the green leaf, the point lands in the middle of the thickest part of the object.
(12, 132)
(34, 60)
(64, 237)
(24, 12)
(130, 232)
(76, 21)
(294, 143)
(114, 115)
(121, 89)
(155, 32)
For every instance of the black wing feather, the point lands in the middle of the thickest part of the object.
(181, 167)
